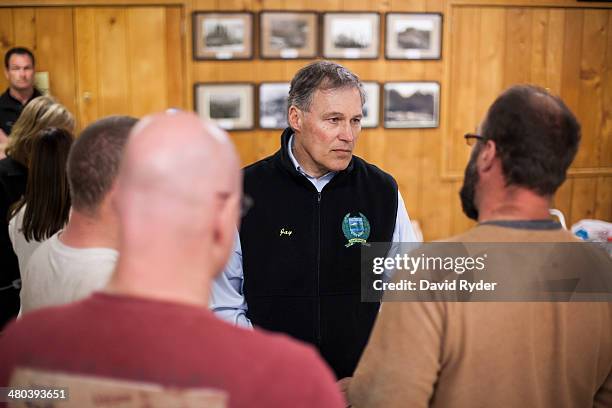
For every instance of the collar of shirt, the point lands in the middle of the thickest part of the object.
(525, 224)
(320, 182)
(8, 100)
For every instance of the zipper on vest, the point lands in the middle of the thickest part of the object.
(318, 322)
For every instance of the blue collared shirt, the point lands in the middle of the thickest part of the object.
(227, 298)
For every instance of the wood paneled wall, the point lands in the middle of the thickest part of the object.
(49, 32)
(563, 45)
(103, 60)
(487, 46)
(566, 50)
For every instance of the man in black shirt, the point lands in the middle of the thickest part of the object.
(19, 71)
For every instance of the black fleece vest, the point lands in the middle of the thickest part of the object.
(301, 274)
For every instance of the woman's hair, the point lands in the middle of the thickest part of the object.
(47, 196)
(40, 113)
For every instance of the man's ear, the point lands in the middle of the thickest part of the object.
(295, 118)
(111, 196)
(224, 229)
(487, 156)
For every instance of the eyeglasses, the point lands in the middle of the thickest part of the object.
(471, 138)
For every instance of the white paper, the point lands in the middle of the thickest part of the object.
(414, 54)
(224, 55)
(289, 53)
(225, 123)
(267, 122)
(352, 53)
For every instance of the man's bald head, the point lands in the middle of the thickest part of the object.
(178, 154)
(179, 185)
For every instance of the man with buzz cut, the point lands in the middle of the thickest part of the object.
(80, 258)
(447, 353)
(296, 265)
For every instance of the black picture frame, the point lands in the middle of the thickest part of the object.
(411, 105)
(373, 103)
(224, 45)
(287, 42)
(344, 38)
(231, 111)
(272, 109)
(420, 37)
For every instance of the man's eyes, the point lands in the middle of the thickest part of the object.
(355, 121)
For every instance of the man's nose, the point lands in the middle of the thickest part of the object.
(346, 132)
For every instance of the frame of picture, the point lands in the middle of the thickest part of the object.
(230, 105)
(351, 35)
(413, 36)
(288, 34)
(272, 103)
(223, 35)
(408, 105)
(371, 108)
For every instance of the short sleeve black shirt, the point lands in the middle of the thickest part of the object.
(10, 109)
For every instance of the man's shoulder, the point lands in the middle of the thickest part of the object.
(494, 233)
(40, 256)
(55, 247)
(372, 170)
(10, 164)
(37, 333)
(10, 168)
(5, 98)
(35, 326)
(289, 362)
(260, 173)
(260, 166)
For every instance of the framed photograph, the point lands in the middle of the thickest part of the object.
(288, 35)
(222, 35)
(229, 105)
(371, 108)
(351, 35)
(411, 104)
(413, 36)
(273, 105)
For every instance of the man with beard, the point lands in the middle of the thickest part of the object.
(473, 354)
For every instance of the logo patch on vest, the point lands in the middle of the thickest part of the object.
(356, 229)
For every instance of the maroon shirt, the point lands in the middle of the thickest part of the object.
(170, 344)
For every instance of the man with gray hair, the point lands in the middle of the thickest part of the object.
(297, 261)
(80, 259)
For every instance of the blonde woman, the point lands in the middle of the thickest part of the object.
(40, 113)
